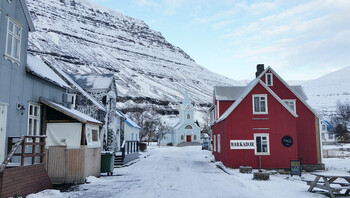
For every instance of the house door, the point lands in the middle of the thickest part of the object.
(3, 119)
(188, 138)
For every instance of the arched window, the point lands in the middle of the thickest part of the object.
(188, 116)
(182, 137)
(188, 127)
(194, 137)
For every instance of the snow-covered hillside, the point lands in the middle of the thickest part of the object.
(80, 36)
(324, 92)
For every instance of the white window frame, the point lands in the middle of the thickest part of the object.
(288, 102)
(256, 144)
(219, 144)
(89, 134)
(214, 143)
(271, 77)
(12, 56)
(33, 117)
(253, 101)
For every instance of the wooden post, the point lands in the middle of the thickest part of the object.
(42, 149)
(23, 151)
(33, 150)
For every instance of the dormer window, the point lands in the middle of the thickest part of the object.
(13, 40)
(269, 79)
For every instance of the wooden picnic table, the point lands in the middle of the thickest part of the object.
(329, 183)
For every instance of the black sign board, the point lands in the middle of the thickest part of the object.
(295, 168)
(287, 141)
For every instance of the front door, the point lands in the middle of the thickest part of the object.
(3, 119)
(188, 138)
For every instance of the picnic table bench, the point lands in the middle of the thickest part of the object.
(329, 183)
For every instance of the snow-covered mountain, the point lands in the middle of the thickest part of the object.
(324, 92)
(80, 36)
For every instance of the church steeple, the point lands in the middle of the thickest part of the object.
(186, 101)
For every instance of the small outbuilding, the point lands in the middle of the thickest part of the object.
(73, 143)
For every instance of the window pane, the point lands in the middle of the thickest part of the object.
(30, 110)
(15, 51)
(95, 135)
(10, 26)
(17, 30)
(262, 107)
(35, 122)
(9, 44)
(256, 104)
(35, 111)
(258, 144)
(30, 127)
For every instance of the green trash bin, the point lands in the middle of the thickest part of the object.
(107, 163)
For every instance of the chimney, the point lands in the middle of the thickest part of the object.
(259, 69)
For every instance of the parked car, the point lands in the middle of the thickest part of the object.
(205, 145)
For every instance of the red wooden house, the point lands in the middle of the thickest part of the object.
(265, 124)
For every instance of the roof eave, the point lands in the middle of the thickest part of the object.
(27, 15)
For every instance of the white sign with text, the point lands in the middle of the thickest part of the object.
(242, 144)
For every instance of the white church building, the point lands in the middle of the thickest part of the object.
(184, 130)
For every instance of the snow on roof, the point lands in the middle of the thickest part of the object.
(81, 117)
(227, 93)
(37, 67)
(81, 90)
(129, 121)
(299, 89)
(94, 81)
(245, 92)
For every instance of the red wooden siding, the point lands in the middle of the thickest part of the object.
(306, 127)
(241, 126)
(224, 105)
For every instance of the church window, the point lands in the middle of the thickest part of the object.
(188, 127)
(182, 137)
(194, 137)
(188, 116)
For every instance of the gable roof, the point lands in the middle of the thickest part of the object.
(27, 15)
(81, 117)
(38, 68)
(76, 86)
(94, 81)
(246, 91)
(296, 93)
(231, 93)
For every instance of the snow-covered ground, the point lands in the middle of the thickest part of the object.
(190, 172)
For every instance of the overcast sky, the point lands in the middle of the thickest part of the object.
(300, 39)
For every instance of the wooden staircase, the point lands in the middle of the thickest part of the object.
(118, 160)
(129, 152)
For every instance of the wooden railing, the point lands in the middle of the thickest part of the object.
(27, 145)
(129, 147)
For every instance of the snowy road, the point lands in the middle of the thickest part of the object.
(184, 172)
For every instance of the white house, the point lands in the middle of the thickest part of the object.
(327, 136)
(131, 129)
(185, 130)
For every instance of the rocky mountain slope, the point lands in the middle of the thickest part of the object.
(79, 36)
